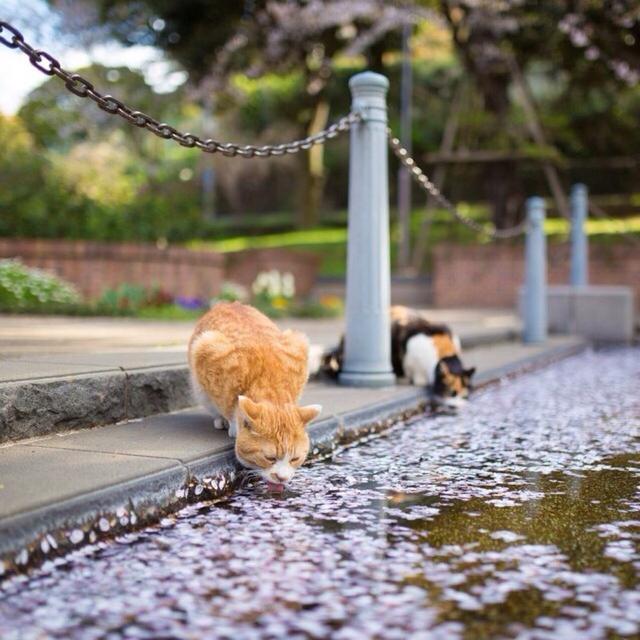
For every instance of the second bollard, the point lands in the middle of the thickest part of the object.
(535, 278)
(579, 248)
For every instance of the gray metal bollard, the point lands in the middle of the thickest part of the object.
(367, 356)
(579, 247)
(535, 277)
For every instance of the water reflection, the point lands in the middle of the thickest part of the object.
(518, 518)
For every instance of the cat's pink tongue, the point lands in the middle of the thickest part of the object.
(275, 486)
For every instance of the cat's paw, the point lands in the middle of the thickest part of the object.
(220, 423)
(232, 429)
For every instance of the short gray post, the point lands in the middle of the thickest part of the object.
(535, 277)
(367, 356)
(579, 247)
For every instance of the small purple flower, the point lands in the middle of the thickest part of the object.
(187, 302)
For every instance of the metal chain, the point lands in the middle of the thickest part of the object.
(421, 178)
(12, 38)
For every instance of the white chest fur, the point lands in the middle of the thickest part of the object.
(420, 360)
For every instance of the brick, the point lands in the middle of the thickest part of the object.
(490, 275)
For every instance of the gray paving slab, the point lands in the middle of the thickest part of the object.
(496, 356)
(32, 367)
(154, 381)
(20, 369)
(39, 335)
(183, 435)
(36, 336)
(64, 361)
(32, 476)
(189, 435)
(337, 400)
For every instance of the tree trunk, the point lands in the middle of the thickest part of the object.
(477, 39)
(501, 178)
(503, 192)
(313, 166)
(537, 133)
(439, 173)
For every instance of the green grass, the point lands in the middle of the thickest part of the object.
(331, 243)
(608, 229)
(302, 238)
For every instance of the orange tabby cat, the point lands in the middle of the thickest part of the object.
(244, 368)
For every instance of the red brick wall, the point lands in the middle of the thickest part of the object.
(96, 266)
(490, 275)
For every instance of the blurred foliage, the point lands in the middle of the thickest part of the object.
(71, 170)
(326, 306)
(130, 298)
(24, 288)
(215, 40)
(116, 182)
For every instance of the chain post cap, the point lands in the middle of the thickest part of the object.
(369, 95)
(535, 209)
(369, 81)
(579, 189)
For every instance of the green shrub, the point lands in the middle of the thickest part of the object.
(128, 298)
(25, 288)
(124, 298)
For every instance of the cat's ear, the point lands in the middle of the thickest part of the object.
(469, 372)
(309, 413)
(248, 408)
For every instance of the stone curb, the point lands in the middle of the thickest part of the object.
(30, 538)
(46, 406)
(55, 405)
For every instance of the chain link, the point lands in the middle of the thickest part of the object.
(12, 38)
(421, 178)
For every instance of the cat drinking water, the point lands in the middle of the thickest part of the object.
(426, 354)
(250, 375)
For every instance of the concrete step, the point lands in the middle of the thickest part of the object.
(59, 491)
(58, 392)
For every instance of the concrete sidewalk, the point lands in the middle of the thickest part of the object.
(59, 491)
(26, 337)
(59, 374)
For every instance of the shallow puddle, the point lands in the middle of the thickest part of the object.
(518, 518)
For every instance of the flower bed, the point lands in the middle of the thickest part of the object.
(29, 290)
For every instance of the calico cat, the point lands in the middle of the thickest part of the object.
(426, 354)
(429, 355)
(249, 374)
